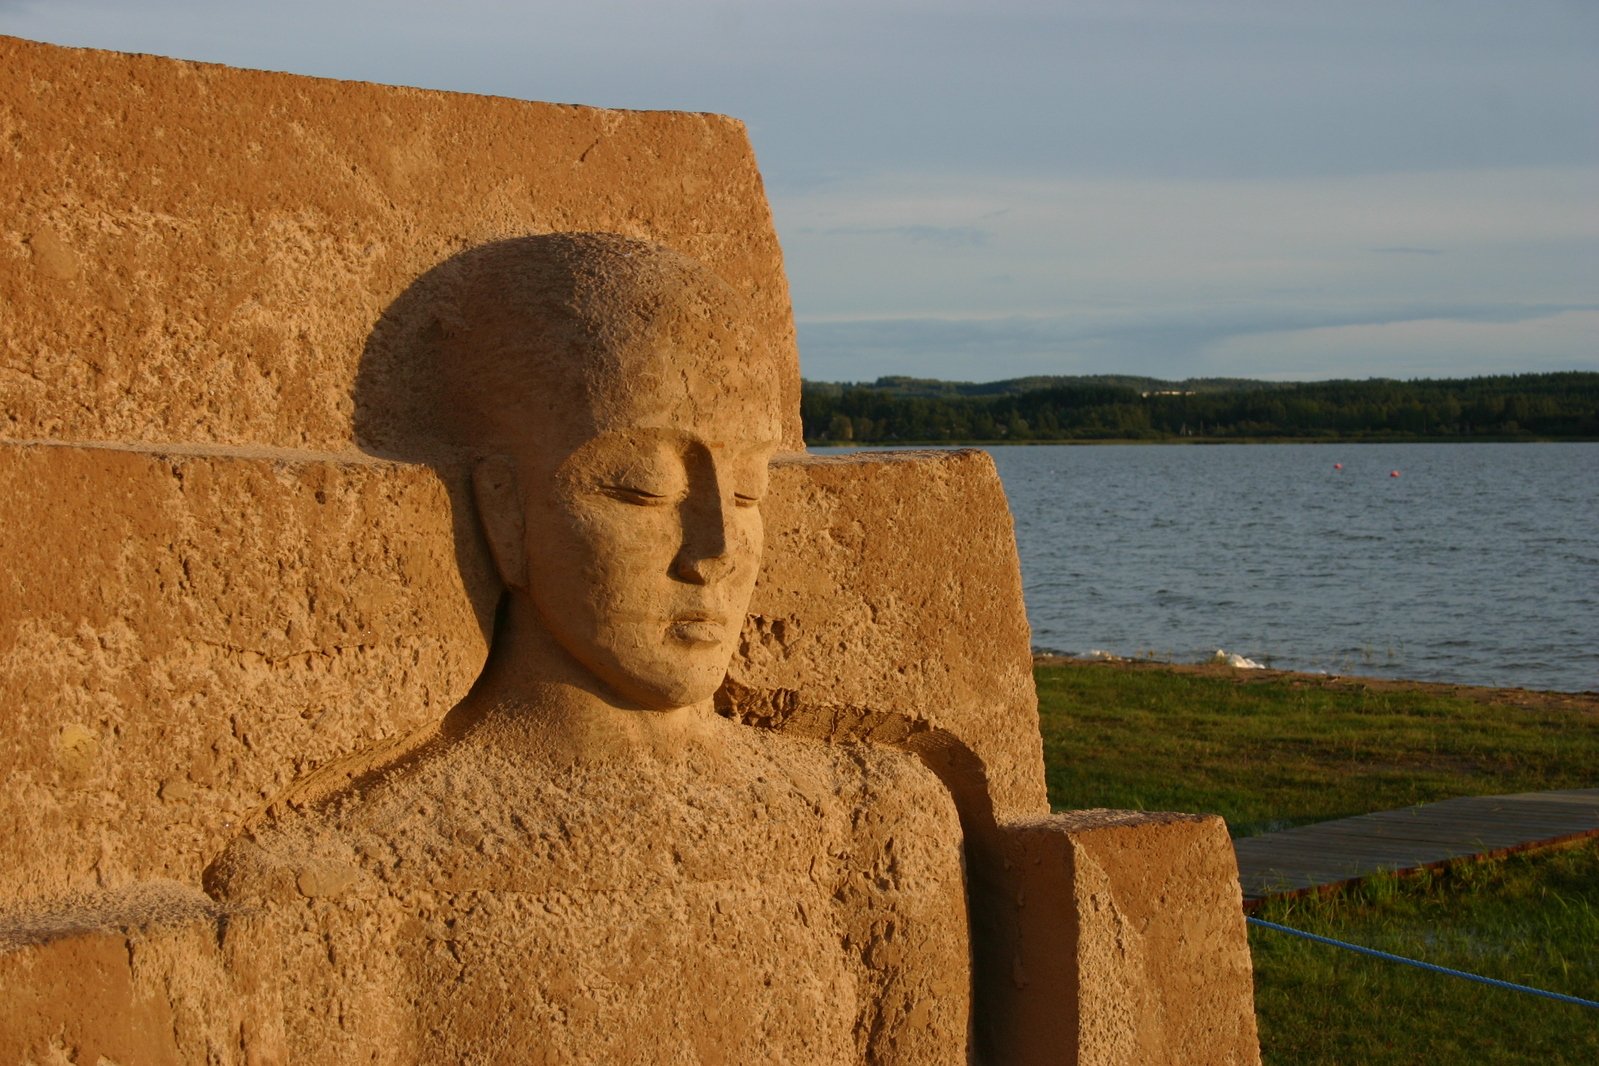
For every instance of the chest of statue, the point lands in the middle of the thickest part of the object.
(665, 911)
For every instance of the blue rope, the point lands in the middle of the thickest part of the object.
(1374, 953)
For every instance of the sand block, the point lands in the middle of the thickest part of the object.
(184, 631)
(224, 282)
(196, 253)
(134, 976)
(889, 604)
(1128, 941)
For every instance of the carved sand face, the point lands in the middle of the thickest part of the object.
(637, 404)
(644, 552)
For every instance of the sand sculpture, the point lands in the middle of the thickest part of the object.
(585, 858)
(250, 584)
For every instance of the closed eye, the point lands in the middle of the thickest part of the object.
(741, 500)
(629, 494)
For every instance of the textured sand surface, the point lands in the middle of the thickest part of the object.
(242, 580)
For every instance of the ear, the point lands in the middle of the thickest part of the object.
(498, 494)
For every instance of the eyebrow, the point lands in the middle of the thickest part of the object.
(672, 433)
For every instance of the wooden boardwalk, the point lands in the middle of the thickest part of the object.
(1318, 856)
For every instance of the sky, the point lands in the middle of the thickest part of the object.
(974, 191)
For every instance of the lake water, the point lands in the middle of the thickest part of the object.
(1478, 564)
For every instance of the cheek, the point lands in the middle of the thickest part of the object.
(748, 537)
(611, 548)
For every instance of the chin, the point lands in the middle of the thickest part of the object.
(668, 687)
(644, 668)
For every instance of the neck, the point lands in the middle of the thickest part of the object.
(533, 697)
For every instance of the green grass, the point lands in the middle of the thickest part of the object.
(1530, 919)
(1268, 751)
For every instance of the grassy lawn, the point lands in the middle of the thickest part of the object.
(1531, 919)
(1268, 750)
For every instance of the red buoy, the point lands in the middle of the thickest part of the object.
(1338, 466)
(1393, 473)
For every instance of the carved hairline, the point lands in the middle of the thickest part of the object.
(551, 320)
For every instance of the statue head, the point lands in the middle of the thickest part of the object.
(622, 411)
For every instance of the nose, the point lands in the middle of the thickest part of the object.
(703, 570)
(705, 555)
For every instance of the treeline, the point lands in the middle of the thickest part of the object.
(909, 410)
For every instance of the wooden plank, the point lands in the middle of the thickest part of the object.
(1333, 850)
(1456, 841)
(1466, 818)
(1345, 838)
(1343, 850)
(1288, 877)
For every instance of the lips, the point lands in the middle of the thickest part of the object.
(696, 627)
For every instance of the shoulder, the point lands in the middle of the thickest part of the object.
(877, 782)
(315, 838)
(275, 863)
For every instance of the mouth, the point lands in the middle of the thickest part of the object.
(697, 627)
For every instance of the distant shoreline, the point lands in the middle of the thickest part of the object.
(1001, 442)
(1582, 702)
(1560, 405)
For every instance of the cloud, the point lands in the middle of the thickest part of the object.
(1093, 87)
(955, 236)
(1423, 347)
(1023, 181)
(1288, 343)
(1507, 237)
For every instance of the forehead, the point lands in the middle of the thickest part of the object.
(678, 354)
(667, 388)
(580, 337)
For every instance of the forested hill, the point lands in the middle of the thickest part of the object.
(1117, 407)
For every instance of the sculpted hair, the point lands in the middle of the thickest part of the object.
(542, 333)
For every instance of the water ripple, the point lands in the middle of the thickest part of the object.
(1480, 565)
